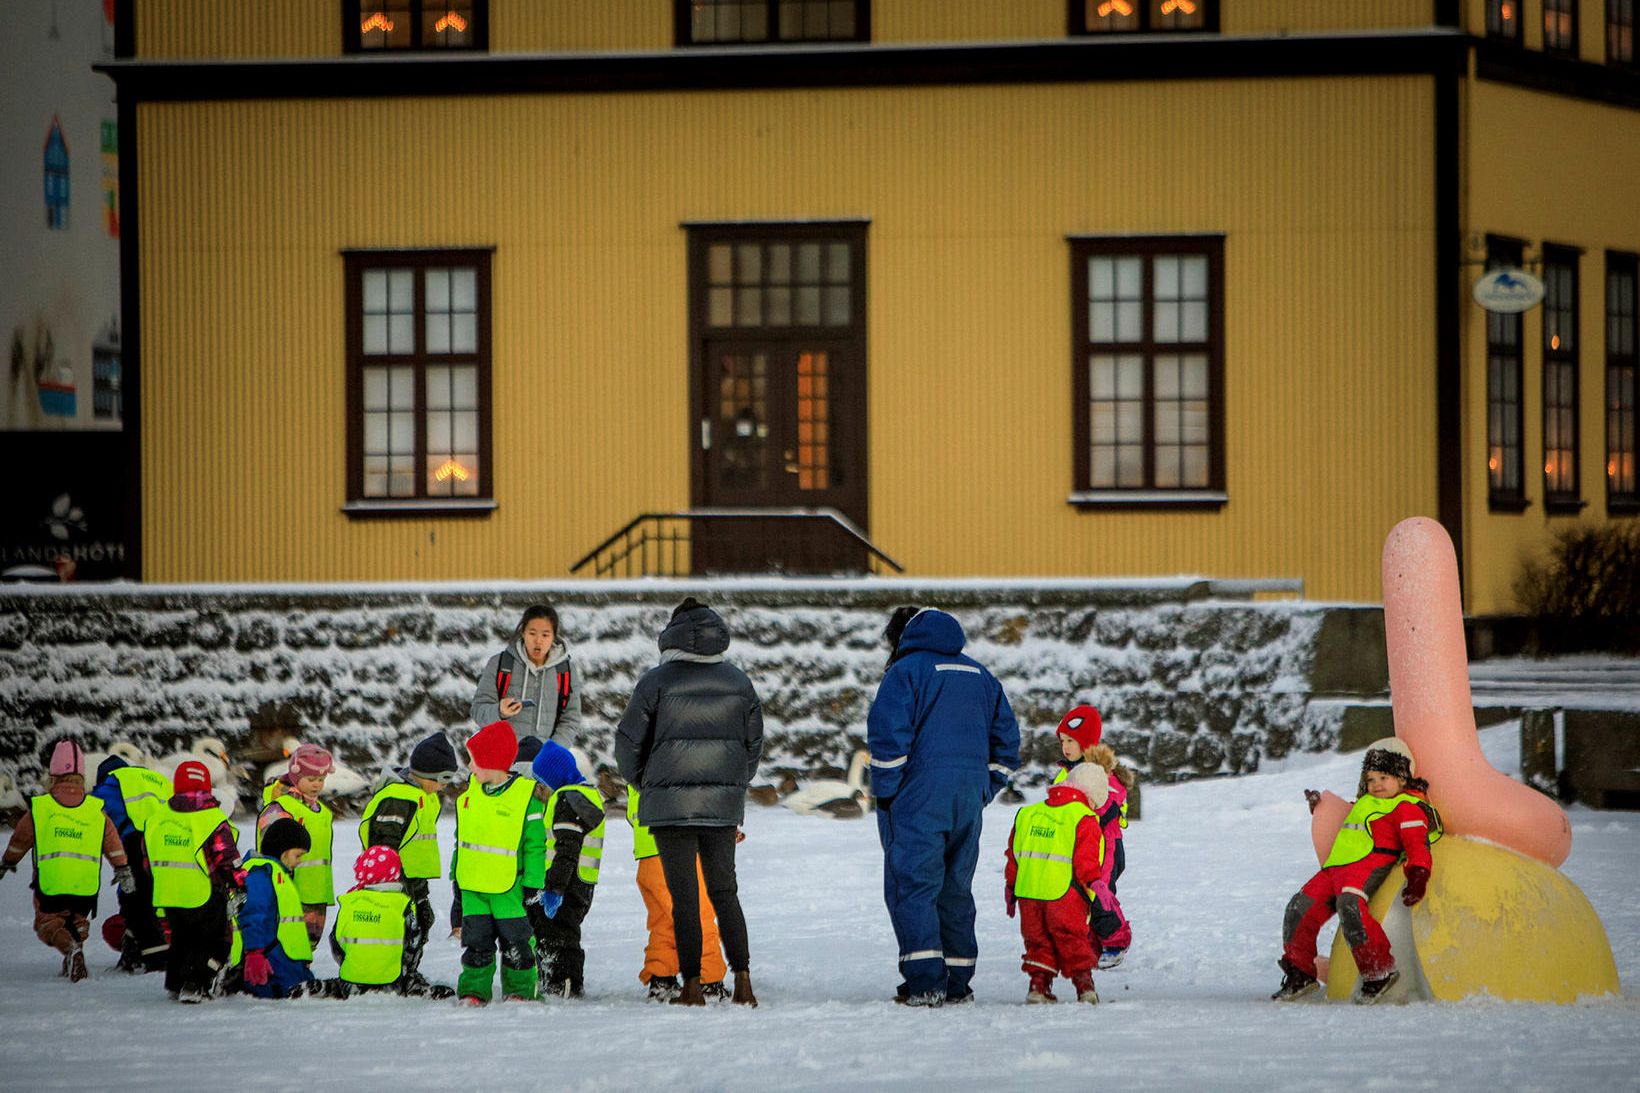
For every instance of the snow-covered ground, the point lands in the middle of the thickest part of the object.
(1210, 868)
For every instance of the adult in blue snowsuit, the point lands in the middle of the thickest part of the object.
(943, 741)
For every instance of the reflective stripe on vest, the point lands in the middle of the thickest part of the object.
(370, 930)
(175, 844)
(291, 934)
(643, 842)
(418, 851)
(67, 845)
(489, 830)
(1354, 840)
(313, 875)
(143, 791)
(592, 846)
(1045, 846)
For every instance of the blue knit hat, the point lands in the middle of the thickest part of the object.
(554, 766)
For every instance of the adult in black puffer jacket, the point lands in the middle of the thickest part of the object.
(690, 741)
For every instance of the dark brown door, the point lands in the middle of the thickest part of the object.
(782, 428)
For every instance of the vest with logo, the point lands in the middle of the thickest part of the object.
(143, 791)
(370, 930)
(292, 932)
(592, 845)
(418, 850)
(489, 830)
(313, 876)
(1354, 840)
(67, 845)
(175, 844)
(1045, 848)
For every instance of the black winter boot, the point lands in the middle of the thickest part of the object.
(1371, 990)
(690, 995)
(1295, 983)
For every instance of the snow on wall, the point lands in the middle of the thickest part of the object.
(1194, 678)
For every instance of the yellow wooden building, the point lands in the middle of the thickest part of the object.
(424, 290)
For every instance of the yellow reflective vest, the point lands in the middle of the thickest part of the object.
(313, 874)
(292, 932)
(1065, 772)
(418, 850)
(1045, 848)
(643, 843)
(1354, 839)
(592, 845)
(143, 791)
(175, 844)
(370, 930)
(488, 832)
(67, 845)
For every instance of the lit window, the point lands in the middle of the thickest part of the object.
(419, 374)
(1129, 16)
(1561, 344)
(1622, 381)
(389, 25)
(1560, 26)
(1620, 32)
(1505, 422)
(1503, 19)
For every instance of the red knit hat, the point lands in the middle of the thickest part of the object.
(191, 776)
(377, 865)
(1083, 726)
(494, 747)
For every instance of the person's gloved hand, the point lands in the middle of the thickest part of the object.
(257, 968)
(7, 867)
(1013, 903)
(550, 902)
(126, 879)
(1100, 891)
(1313, 797)
(1417, 881)
(532, 897)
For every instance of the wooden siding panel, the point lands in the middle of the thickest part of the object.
(211, 28)
(1548, 189)
(1321, 188)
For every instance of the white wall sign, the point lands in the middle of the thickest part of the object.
(1508, 291)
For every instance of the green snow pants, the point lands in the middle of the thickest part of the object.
(496, 921)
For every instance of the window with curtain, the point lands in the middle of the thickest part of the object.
(1560, 26)
(732, 22)
(1505, 414)
(1561, 346)
(412, 25)
(1503, 19)
(1622, 381)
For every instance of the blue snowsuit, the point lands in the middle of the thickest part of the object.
(943, 741)
(259, 925)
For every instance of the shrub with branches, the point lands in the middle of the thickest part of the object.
(1586, 593)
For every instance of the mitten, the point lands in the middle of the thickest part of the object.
(257, 968)
(550, 902)
(125, 879)
(1313, 797)
(1417, 881)
(1101, 892)
(1013, 903)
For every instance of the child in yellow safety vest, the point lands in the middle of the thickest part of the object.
(1053, 879)
(70, 834)
(295, 795)
(271, 946)
(500, 861)
(375, 925)
(574, 855)
(1391, 818)
(193, 853)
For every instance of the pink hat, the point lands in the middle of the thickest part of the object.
(66, 758)
(377, 865)
(309, 759)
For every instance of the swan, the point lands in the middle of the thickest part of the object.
(213, 754)
(124, 749)
(12, 805)
(828, 796)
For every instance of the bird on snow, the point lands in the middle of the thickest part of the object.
(843, 800)
(127, 751)
(771, 795)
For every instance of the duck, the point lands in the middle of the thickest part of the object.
(842, 800)
(771, 795)
(12, 805)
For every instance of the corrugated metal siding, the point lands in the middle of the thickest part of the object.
(312, 28)
(1552, 189)
(1322, 188)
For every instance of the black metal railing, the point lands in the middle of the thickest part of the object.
(702, 542)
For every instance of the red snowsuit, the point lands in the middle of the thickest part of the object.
(1056, 931)
(1347, 888)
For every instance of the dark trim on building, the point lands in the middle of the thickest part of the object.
(1506, 62)
(1449, 309)
(125, 29)
(1446, 13)
(130, 328)
(473, 508)
(730, 68)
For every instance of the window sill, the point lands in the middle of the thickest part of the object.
(1149, 499)
(368, 510)
(1567, 506)
(1622, 506)
(1508, 505)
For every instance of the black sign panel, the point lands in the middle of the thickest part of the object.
(63, 516)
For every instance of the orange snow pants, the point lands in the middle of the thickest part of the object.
(660, 956)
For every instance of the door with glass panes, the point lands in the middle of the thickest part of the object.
(780, 397)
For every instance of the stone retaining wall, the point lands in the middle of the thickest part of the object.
(1194, 678)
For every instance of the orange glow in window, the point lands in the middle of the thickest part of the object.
(1611, 468)
(1119, 7)
(1507, 13)
(1183, 7)
(376, 21)
(1554, 341)
(450, 21)
(452, 469)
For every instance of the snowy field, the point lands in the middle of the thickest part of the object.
(1210, 868)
